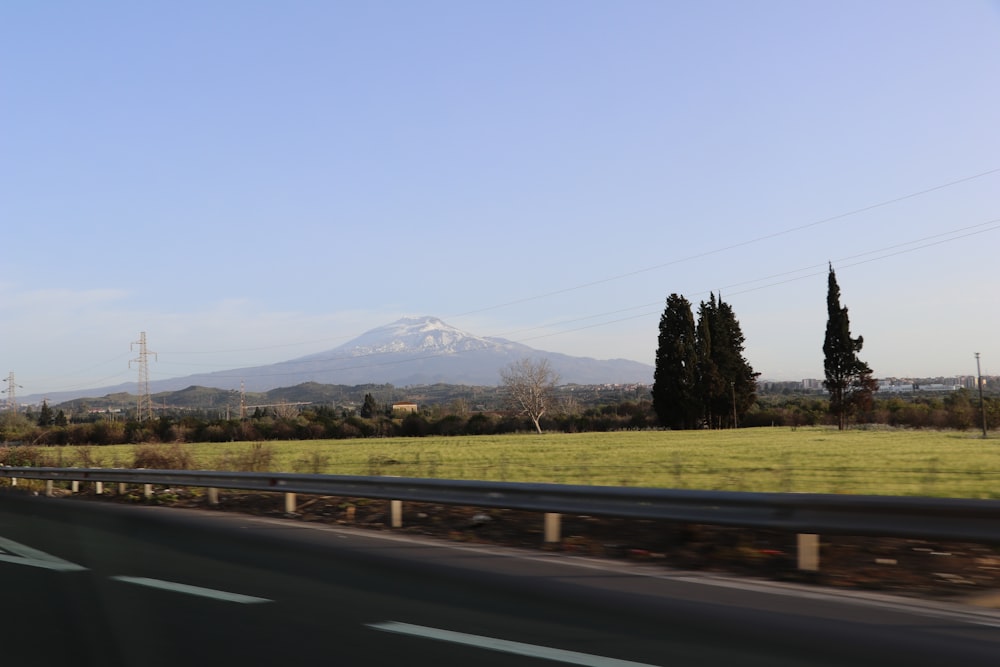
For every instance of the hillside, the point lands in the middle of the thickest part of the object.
(220, 402)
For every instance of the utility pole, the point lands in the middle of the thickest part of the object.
(982, 405)
(732, 386)
(144, 403)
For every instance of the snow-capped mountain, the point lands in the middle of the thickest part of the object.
(410, 351)
(426, 350)
(415, 335)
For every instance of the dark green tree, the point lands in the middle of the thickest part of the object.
(45, 416)
(728, 383)
(709, 381)
(848, 379)
(675, 376)
(370, 407)
(961, 413)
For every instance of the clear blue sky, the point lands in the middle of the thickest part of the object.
(249, 181)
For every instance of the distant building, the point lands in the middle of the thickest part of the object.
(405, 407)
(895, 386)
(968, 381)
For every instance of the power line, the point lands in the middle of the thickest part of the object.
(995, 225)
(953, 234)
(741, 244)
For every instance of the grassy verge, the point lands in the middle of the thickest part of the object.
(813, 460)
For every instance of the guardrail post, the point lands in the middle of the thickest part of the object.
(396, 513)
(147, 491)
(289, 503)
(13, 481)
(122, 488)
(553, 530)
(213, 495)
(48, 488)
(74, 486)
(808, 552)
(99, 488)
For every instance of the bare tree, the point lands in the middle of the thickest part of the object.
(529, 387)
(284, 410)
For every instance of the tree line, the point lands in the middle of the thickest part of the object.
(959, 410)
(955, 410)
(321, 422)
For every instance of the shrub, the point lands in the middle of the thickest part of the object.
(314, 462)
(450, 425)
(348, 430)
(259, 457)
(174, 456)
(24, 456)
(413, 425)
(479, 424)
(85, 457)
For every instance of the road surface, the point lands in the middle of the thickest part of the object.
(87, 583)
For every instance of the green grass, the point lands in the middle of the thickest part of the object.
(812, 460)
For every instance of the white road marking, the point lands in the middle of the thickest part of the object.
(21, 554)
(191, 590)
(505, 646)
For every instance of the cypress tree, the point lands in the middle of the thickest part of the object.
(848, 379)
(729, 383)
(675, 397)
(370, 407)
(710, 382)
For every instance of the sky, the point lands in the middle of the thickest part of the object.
(248, 182)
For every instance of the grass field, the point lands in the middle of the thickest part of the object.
(814, 460)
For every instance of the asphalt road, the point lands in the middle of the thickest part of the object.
(86, 583)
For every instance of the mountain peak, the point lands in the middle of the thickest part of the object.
(425, 323)
(416, 335)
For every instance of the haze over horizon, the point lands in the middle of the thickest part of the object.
(252, 183)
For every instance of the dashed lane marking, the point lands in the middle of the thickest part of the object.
(187, 589)
(505, 646)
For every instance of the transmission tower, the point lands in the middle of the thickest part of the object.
(11, 392)
(145, 401)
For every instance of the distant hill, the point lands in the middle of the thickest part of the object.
(214, 403)
(410, 351)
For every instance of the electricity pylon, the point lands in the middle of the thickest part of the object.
(11, 392)
(144, 403)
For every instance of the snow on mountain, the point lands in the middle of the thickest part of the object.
(426, 350)
(414, 335)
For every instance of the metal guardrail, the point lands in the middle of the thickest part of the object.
(954, 519)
